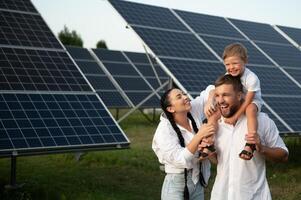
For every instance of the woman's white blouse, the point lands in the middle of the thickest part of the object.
(167, 147)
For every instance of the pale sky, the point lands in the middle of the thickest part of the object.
(96, 20)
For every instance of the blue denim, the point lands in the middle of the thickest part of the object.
(173, 188)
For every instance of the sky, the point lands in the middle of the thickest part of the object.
(96, 20)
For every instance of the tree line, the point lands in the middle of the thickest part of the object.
(72, 38)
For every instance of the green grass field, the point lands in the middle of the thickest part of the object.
(128, 174)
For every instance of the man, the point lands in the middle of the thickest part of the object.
(239, 179)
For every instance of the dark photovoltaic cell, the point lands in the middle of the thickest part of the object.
(146, 15)
(282, 128)
(274, 81)
(98, 79)
(28, 69)
(18, 5)
(26, 30)
(288, 108)
(193, 75)
(35, 123)
(293, 33)
(254, 56)
(174, 44)
(284, 55)
(259, 31)
(209, 25)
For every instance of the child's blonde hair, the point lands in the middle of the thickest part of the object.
(236, 49)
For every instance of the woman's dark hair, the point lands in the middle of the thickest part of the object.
(164, 105)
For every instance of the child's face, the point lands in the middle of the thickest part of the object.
(234, 65)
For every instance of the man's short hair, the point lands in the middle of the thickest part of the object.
(230, 80)
(236, 49)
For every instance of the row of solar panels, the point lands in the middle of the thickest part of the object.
(189, 47)
(46, 103)
(122, 79)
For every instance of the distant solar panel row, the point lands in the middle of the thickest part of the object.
(123, 72)
(191, 46)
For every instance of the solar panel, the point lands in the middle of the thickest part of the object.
(46, 104)
(293, 33)
(281, 127)
(18, 5)
(284, 55)
(274, 82)
(97, 77)
(128, 77)
(144, 15)
(192, 55)
(209, 25)
(42, 123)
(39, 70)
(195, 75)
(174, 44)
(288, 108)
(25, 29)
(259, 31)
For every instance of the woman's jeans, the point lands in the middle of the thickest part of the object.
(173, 188)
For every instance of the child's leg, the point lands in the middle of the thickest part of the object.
(251, 113)
(210, 149)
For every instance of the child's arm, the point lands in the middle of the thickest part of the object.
(248, 100)
(209, 107)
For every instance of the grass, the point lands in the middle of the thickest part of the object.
(129, 174)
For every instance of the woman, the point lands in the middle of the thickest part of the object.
(176, 143)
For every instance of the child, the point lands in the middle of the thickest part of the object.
(235, 58)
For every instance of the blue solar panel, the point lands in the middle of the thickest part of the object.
(46, 105)
(146, 15)
(282, 128)
(26, 30)
(274, 81)
(288, 108)
(127, 77)
(106, 55)
(193, 75)
(34, 123)
(295, 73)
(209, 25)
(293, 33)
(28, 69)
(284, 55)
(138, 58)
(174, 44)
(98, 79)
(19, 5)
(259, 31)
(254, 56)
(194, 66)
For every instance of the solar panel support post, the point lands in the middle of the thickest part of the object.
(13, 171)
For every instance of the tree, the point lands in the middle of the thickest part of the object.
(101, 44)
(70, 38)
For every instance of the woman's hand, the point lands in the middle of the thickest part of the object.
(206, 130)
